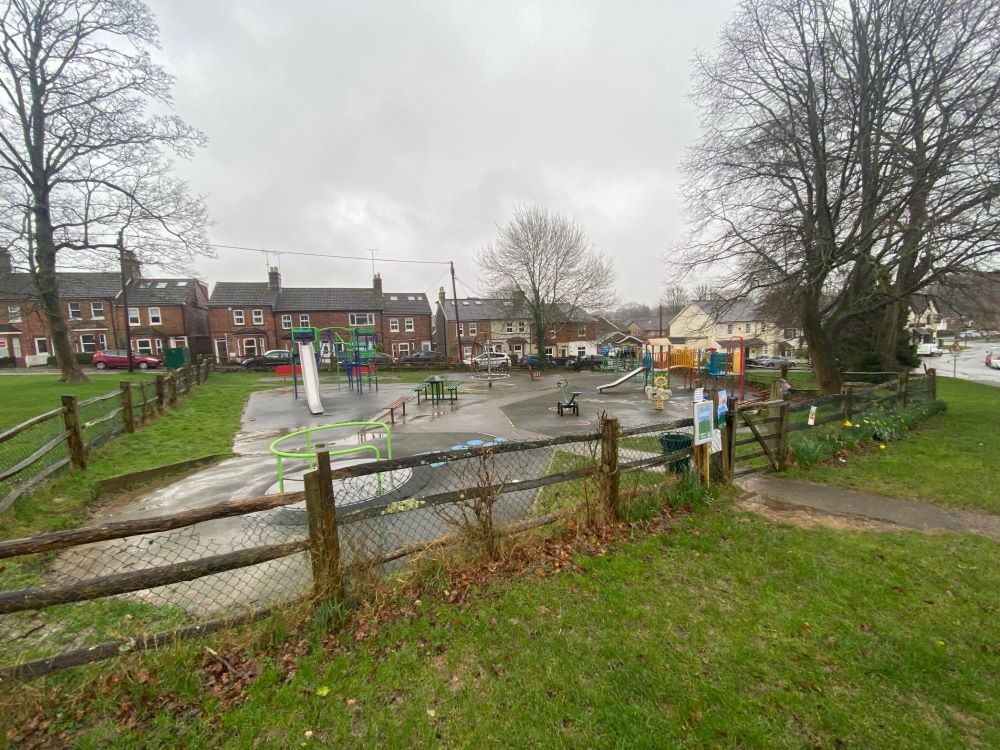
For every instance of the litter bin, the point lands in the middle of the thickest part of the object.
(174, 358)
(673, 442)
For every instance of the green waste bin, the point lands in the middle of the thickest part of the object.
(176, 357)
(673, 442)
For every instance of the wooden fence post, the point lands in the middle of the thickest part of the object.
(74, 436)
(903, 388)
(774, 423)
(172, 388)
(161, 392)
(127, 418)
(848, 403)
(197, 373)
(783, 450)
(729, 442)
(328, 579)
(932, 384)
(610, 477)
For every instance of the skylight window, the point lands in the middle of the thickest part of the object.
(161, 285)
(411, 297)
(182, 283)
(393, 297)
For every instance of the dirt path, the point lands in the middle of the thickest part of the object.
(809, 504)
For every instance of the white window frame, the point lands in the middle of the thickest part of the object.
(581, 351)
(466, 351)
(286, 322)
(303, 320)
(258, 317)
(159, 316)
(253, 345)
(97, 311)
(48, 346)
(508, 326)
(133, 316)
(353, 319)
(581, 330)
(178, 342)
(69, 311)
(550, 351)
(144, 346)
(239, 318)
(408, 325)
(461, 329)
(159, 345)
(102, 340)
(518, 349)
(729, 328)
(393, 325)
(14, 313)
(746, 328)
(425, 346)
(473, 329)
(522, 326)
(403, 347)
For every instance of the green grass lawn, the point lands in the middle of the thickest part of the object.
(24, 396)
(951, 459)
(727, 631)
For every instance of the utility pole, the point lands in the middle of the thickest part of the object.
(458, 323)
(125, 280)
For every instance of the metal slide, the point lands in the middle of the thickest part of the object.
(622, 379)
(310, 377)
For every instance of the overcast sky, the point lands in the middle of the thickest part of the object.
(414, 127)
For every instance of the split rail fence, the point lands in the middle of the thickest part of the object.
(36, 449)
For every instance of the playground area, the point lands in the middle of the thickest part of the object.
(276, 445)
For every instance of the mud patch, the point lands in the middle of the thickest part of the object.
(808, 518)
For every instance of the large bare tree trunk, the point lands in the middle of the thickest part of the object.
(48, 295)
(887, 336)
(820, 348)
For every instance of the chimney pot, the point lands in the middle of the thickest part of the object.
(273, 279)
(377, 283)
(441, 295)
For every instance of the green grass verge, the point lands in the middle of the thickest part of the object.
(24, 396)
(728, 631)
(951, 459)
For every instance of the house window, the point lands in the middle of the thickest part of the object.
(466, 351)
(250, 347)
(88, 342)
(102, 340)
(258, 317)
(74, 311)
(729, 328)
(425, 346)
(461, 329)
(144, 346)
(473, 329)
(790, 333)
(508, 326)
(581, 351)
(154, 316)
(97, 310)
(394, 325)
(518, 349)
(361, 319)
(238, 318)
(552, 333)
(550, 351)
(746, 328)
(408, 324)
(159, 345)
(41, 346)
(14, 313)
(286, 322)
(304, 320)
(581, 330)
(178, 342)
(133, 316)
(403, 348)
(522, 327)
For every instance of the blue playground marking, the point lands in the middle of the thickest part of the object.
(500, 440)
(474, 442)
(460, 447)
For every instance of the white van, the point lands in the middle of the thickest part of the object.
(928, 350)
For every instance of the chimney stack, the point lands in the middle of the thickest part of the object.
(5, 264)
(441, 295)
(273, 279)
(131, 266)
(377, 283)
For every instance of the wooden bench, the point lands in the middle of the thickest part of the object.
(452, 388)
(421, 390)
(399, 403)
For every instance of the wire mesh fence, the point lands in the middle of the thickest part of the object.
(30, 452)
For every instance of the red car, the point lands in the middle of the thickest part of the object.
(112, 358)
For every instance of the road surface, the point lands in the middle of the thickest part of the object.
(968, 364)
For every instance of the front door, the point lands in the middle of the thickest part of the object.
(16, 346)
(221, 350)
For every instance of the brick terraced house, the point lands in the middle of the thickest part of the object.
(249, 318)
(163, 313)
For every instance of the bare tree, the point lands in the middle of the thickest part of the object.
(848, 156)
(546, 264)
(77, 142)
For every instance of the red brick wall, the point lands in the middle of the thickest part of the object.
(390, 340)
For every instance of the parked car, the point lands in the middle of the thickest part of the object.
(928, 350)
(422, 358)
(534, 360)
(774, 362)
(118, 358)
(995, 362)
(588, 362)
(386, 360)
(268, 359)
(491, 359)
